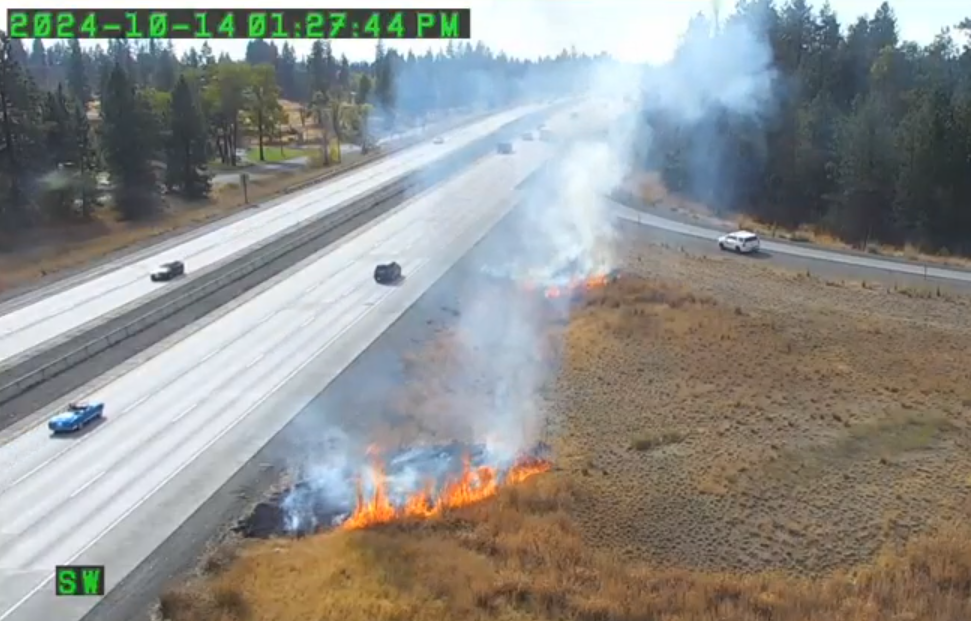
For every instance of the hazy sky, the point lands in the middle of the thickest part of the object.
(632, 30)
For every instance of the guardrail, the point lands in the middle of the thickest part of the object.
(209, 282)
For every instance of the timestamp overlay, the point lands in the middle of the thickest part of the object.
(239, 24)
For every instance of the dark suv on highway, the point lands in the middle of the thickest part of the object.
(168, 271)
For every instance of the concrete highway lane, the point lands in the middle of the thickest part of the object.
(50, 318)
(179, 424)
(794, 250)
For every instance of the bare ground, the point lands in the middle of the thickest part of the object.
(763, 445)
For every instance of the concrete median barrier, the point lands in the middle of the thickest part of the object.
(34, 372)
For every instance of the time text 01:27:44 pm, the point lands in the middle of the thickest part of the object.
(239, 24)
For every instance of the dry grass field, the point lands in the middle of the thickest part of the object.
(762, 446)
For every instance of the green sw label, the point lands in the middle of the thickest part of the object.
(80, 580)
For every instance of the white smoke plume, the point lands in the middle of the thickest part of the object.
(563, 230)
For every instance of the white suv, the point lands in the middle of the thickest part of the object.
(742, 242)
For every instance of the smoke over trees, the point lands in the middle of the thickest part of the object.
(810, 121)
(146, 121)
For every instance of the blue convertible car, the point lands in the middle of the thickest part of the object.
(75, 416)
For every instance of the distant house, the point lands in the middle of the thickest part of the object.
(94, 113)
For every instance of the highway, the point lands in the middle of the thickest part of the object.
(805, 252)
(183, 418)
(185, 415)
(50, 315)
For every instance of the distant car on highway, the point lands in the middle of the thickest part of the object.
(546, 135)
(75, 417)
(742, 242)
(528, 136)
(438, 140)
(504, 148)
(168, 271)
(387, 273)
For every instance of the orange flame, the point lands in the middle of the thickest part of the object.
(471, 486)
(576, 284)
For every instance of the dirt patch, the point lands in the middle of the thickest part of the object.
(760, 445)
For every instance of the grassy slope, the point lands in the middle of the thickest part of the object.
(828, 477)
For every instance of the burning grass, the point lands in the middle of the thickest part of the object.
(420, 482)
(522, 556)
(759, 446)
(472, 485)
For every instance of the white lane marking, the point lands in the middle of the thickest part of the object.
(174, 474)
(255, 360)
(309, 320)
(185, 411)
(311, 288)
(209, 355)
(90, 482)
(132, 406)
(135, 404)
(85, 437)
(400, 164)
(73, 446)
(34, 470)
(171, 476)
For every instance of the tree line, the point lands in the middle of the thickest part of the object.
(868, 137)
(126, 123)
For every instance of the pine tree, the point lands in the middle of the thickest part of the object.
(286, 69)
(57, 128)
(317, 69)
(77, 77)
(186, 162)
(168, 70)
(865, 172)
(38, 63)
(205, 54)
(58, 188)
(344, 78)
(87, 162)
(385, 62)
(21, 153)
(363, 90)
(134, 187)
